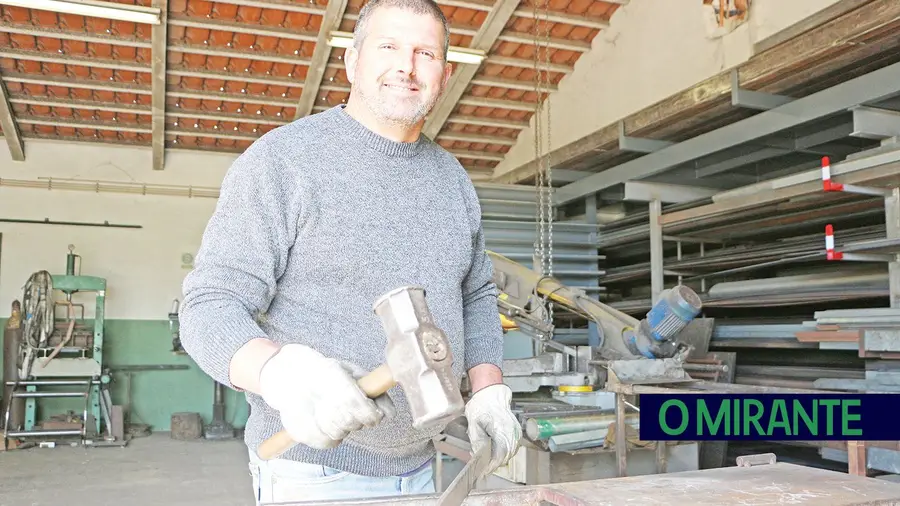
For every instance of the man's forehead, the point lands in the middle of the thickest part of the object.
(395, 22)
(404, 38)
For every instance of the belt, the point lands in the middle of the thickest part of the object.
(416, 470)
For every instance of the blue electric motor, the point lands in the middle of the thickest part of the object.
(675, 308)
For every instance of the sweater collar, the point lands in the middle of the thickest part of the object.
(355, 129)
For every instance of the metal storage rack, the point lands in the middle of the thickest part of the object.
(856, 202)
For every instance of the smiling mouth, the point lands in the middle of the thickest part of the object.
(401, 87)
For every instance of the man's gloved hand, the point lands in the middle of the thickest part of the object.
(317, 397)
(384, 402)
(491, 422)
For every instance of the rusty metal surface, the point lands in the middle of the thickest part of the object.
(757, 485)
(524, 496)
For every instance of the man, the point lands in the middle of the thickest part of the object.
(315, 221)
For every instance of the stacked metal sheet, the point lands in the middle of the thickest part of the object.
(860, 318)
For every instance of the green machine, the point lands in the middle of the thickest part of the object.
(60, 354)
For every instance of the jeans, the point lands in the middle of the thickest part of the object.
(279, 480)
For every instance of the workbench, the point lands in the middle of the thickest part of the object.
(628, 379)
(762, 484)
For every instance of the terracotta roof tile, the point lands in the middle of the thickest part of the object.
(237, 71)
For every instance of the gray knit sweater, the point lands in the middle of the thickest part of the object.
(316, 220)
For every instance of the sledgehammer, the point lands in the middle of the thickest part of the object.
(418, 358)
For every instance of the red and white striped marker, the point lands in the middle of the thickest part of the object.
(827, 185)
(830, 254)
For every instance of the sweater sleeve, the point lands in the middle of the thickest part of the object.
(243, 253)
(483, 330)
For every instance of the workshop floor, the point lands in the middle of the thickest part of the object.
(154, 470)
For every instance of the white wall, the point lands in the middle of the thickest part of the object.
(653, 49)
(142, 266)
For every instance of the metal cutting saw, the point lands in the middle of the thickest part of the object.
(523, 305)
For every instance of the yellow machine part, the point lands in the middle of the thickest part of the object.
(507, 322)
(576, 388)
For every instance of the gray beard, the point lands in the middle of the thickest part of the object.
(385, 111)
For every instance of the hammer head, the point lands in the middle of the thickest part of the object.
(419, 357)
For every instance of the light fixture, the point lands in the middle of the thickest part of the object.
(454, 54)
(92, 8)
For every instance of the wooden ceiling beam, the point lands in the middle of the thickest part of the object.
(562, 17)
(578, 46)
(113, 126)
(81, 84)
(476, 138)
(284, 5)
(525, 63)
(247, 28)
(488, 121)
(331, 20)
(240, 98)
(477, 155)
(158, 84)
(224, 116)
(265, 56)
(487, 35)
(496, 103)
(512, 84)
(84, 105)
(171, 112)
(10, 129)
(85, 61)
(475, 5)
(54, 33)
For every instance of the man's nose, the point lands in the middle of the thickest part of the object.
(405, 60)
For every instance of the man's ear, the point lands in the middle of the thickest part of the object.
(448, 71)
(350, 59)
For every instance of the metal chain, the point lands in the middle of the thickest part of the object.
(540, 240)
(548, 177)
(543, 178)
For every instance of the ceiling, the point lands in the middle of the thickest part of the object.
(235, 69)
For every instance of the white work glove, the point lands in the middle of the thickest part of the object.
(491, 422)
(317, 397)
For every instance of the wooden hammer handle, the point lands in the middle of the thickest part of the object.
(378, 382)
(374, 384)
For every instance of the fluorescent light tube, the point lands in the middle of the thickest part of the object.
(340, 39)
(89, 8)
(464, 55)
(455, 54)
